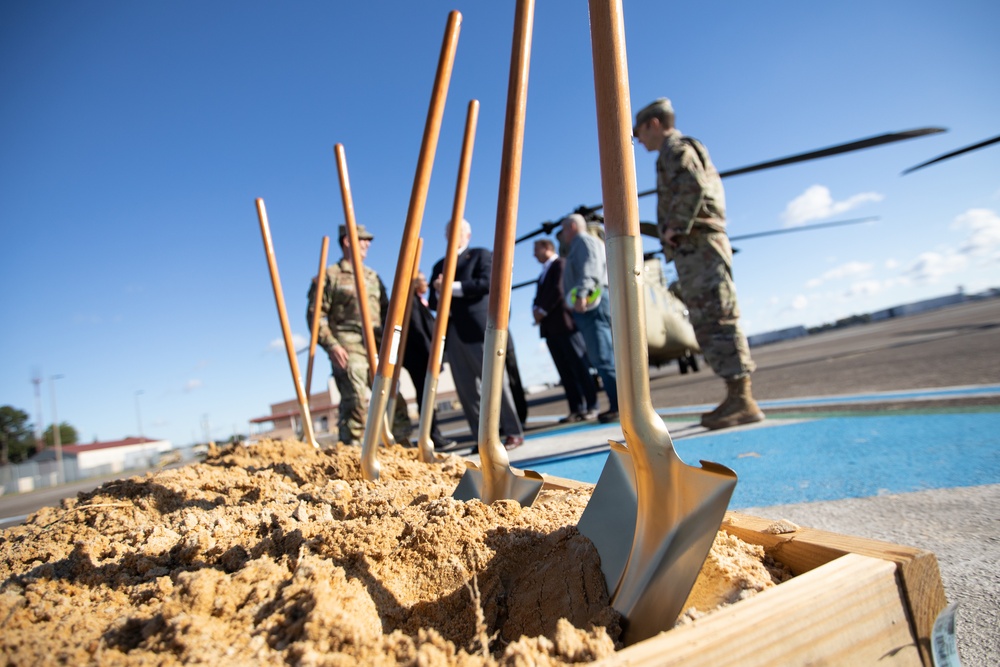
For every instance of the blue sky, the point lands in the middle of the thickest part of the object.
(134, 138)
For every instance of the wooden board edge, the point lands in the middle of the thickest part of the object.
(863, 620)
(553, 483)
(807, 548)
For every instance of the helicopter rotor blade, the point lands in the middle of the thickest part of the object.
(870, 142)
(860, 144)
(946, 156)
(804, 228)
(649, 229)
(546, 228)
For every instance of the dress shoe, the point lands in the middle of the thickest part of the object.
(609, 416)
(446, 445)
(513, 442)
(572, 418)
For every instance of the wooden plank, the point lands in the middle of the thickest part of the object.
(553, 483)
(807, 548)
(846, 612)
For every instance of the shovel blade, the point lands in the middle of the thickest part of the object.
(609, 518)
(523, 487)
(670, 547)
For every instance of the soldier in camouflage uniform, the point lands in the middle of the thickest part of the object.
(340, 334)
(691, 220)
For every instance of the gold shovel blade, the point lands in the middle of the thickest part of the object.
(520, 485)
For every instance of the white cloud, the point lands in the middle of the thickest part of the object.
(817, 203)
(848, 270)
(891, 263)
(985, 231)
(929, 267)
(191, 385)
(983, 243)
(800, 302)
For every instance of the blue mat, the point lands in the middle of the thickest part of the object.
(837, 457)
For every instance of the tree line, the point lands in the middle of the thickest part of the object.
(17, 436)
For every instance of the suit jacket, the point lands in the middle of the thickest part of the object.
(469, 311)
(549, 296)
(418, 340)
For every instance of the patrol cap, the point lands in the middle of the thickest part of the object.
(655, 108)
(362, 233)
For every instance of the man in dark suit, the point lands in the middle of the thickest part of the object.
(566, 345)
(467, 332)
(418, 354)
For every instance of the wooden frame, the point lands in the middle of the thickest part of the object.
(853, 601)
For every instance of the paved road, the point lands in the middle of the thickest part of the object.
(949, 347)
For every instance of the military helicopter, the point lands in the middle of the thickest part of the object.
(669, 332)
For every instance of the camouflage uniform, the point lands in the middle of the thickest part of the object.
(340, 324)
(691, 202)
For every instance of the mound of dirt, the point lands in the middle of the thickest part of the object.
(282, 554)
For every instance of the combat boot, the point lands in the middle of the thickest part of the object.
(738, 407)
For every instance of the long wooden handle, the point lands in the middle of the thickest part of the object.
(496, 470)
(510, 167)
(407, 315)
(614, 116)
(279, 300)
(411, 232)
(436, 355)
(360, 289)
(454, 233)
(418, 196)
(367, 327)
(317, 303)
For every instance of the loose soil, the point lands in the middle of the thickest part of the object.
(280, 554)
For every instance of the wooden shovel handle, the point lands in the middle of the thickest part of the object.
(317, 303)
(279, 300)
(418, 196)
(367, 330)
(614, 127)
(454, 229)
(510, 167)
(407, 315)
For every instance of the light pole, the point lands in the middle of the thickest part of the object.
(56, 435)
(138, 414)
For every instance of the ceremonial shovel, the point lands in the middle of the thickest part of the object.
(407, 314)
(361, 292)
(279, 300)
(496, 479)
(314, 329)
(424, 442)
(404, 266)
(670, 511)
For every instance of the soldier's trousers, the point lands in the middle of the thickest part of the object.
(355, 393)
(704, 263)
